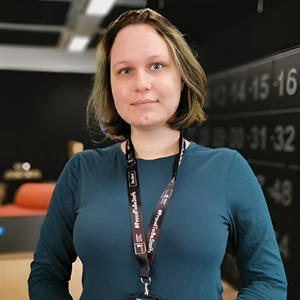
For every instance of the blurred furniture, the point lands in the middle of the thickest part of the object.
(19, 174)
(19, 233)
(2, 191)
(14, 274)
(74, 147)
(229, 292)
(30, 199)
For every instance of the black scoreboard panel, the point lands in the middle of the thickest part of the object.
(255, 109)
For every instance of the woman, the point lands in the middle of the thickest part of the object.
(148, 87)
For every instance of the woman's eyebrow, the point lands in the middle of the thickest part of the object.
(120, 63)
(148, 59)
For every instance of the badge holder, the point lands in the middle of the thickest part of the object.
(146, 295)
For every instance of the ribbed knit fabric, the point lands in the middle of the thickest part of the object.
(216, 197)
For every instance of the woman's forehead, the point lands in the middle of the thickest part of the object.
(137, 41)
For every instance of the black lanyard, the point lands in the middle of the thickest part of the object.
(145, 249)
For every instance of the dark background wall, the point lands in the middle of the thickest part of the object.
(254, 38)
(227, 34)
(40, 112)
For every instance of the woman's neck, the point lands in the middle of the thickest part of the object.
(152, 145)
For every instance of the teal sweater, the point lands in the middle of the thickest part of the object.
(216, 197)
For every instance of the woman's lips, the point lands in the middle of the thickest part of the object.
(144, 101)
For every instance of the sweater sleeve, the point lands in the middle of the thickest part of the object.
(252, 235)
(52, 264)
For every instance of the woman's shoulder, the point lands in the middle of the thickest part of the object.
(206, 151)
(219, 158)
(94, 156)
(94, 152)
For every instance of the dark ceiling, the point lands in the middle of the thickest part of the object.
(224, 33)
(38, 22)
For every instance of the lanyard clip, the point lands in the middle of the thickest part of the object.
(146, 283)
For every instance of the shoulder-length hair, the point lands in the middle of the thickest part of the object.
(101, 111)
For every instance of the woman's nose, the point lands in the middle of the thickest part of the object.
(142, 81)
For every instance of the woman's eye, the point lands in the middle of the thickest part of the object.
(156, 66)
(125, 71)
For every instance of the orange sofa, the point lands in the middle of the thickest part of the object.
(30, 199)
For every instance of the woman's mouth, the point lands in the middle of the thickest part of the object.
(144, 102)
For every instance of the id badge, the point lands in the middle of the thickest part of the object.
(143, 297)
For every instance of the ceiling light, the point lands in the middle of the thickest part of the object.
(260, 6)
(99, 7)
(78, 43)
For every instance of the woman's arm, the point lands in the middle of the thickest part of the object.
(252, 236)
(54, 255)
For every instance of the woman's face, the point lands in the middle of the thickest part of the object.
(146, 84)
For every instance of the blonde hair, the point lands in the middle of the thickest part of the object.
(101, 111)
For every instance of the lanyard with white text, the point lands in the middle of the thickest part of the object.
(145, 249)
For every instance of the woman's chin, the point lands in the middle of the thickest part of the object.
(149, 125)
